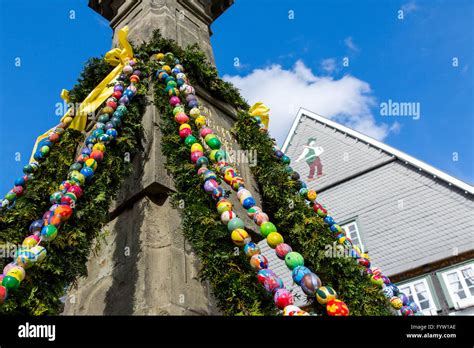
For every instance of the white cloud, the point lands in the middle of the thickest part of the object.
(349, 42)
(347, 100)
(328, 65)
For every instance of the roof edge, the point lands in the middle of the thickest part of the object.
(397, 153)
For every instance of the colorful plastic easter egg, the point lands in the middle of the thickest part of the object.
(3, 293)
(274, 239)
(196, 147)
(205, 131)
(325, 294)
(221, 155)
(294, 259)
(406, 311)
(97, 155)
(25, 258)
(293, 311)
(260, 218)
(77, 190)
(283, 298)
(218, 193)
(376, 280)
(364, 262)
(298, 273)
(55, 198)
(263, 274)
(272, 283)
(235, 223)
(266, 228)
(329, 220)
(214, 143)
(310, 283)
(30, 241)
(285, 159)
(224, 206)
(240, 237)
(376, 271)
(200, 121)
(49, 233)
(336, 307)
(248, 202)
(388, 292)
(404, 298)
(281, 250)
(395, 289)
(91, 163)
(311, 195)
(190, 140)
(65, 211)
(251, 249)
(185, 132)
(396, 302)
(36, 226)
(181, 118)
(17, 271)
(39, 252)
(195, 113)
(258, 262)
(227, 216)
(253, 210)
(10, 283)
(210, 185)
(196, 155)
(87, 172)
(386, 280)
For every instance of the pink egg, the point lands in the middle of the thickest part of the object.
(174, 100)
(76, 190)
(195, 156)
(260, 218)
(205, 131)
(185, 132)
(181, 118)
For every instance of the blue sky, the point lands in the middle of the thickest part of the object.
(290, 54)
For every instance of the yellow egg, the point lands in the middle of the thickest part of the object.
(166, 68)
(160, 56)
(200, 121)
(67, 120)
(99, 147)
(17, 273)
(91, 163)
(273, 239)
(29, 242)
(184, 125)
(311, 195)
(196, 147)
(240, 237)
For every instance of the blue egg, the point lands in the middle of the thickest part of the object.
(118, 114)
(116, 122)
(257, 119)
(248, 202)
(91, 140)
(86, 151)
(104, 138)
(128, 93)
(109, 125)
(329, 220)
(87, 172)
(97, 132)
(38, 155)
(112, 133)
(394, 289)
(100, 125)
(180, 82)
(36, 226)
(193, 104)
(175, 70)
(20, 181)
(298, 273)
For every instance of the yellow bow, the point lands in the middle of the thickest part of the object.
(261, 110)
(117, 57)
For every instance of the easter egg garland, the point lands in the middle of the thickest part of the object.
(282, 297)
(64, 200)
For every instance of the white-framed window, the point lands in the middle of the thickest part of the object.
(352, 232)
(419, 292)
(460, 284)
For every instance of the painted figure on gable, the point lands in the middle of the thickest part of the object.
(311, 154)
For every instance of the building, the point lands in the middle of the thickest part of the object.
(416, 222)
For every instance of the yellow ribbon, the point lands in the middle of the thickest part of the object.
(261, 110)
(117, 57)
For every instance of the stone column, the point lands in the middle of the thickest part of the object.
(144, 265)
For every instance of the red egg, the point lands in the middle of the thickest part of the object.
(195, 156)
(205, 131)
(134, 78)
(82, 158)
(283, 298)
(18, 190)
(97, 155)
(185, 132)
(76, 190)
(54, 138)
(181, 118)
(64, 211)
(117, 95)
(112, 104)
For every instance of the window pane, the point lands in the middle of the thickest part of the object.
(456, 285)
(424, 305)
(469, 278)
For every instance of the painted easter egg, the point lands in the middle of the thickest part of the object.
(325, 294)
